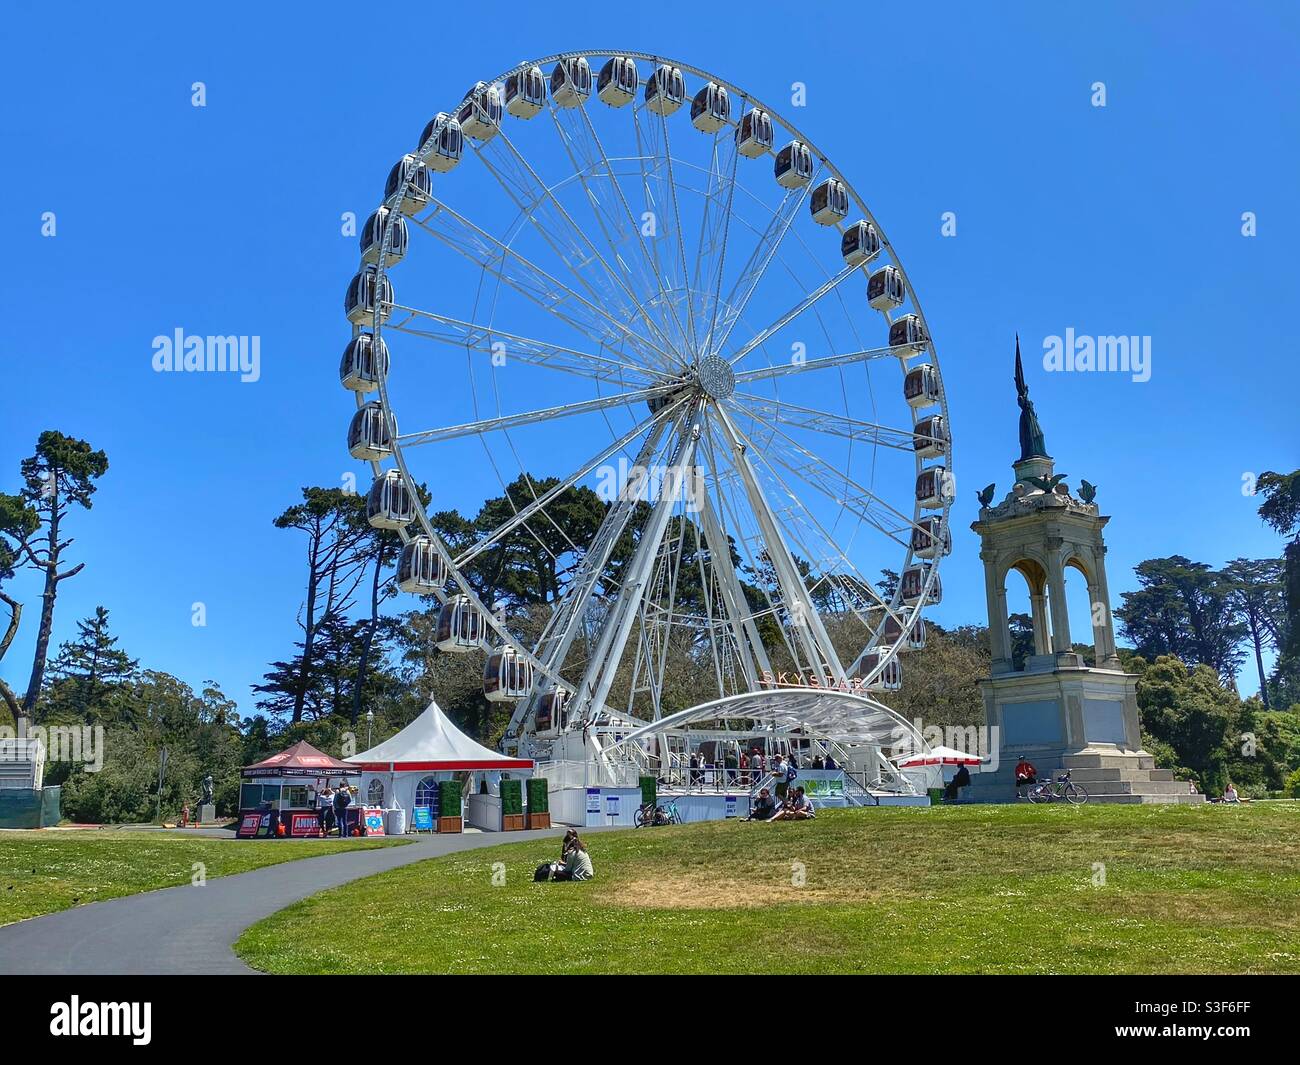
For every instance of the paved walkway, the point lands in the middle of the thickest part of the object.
(192, 929)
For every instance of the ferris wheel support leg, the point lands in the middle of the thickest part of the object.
(753, 654)
(566, 622)
(807, 623)
(604, 663)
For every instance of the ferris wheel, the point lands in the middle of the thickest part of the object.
(614, 273)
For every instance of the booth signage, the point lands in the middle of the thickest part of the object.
(423, 819)
(593, 801)
(611, 807)
(248, 826)
(373, 819)
(304, 825)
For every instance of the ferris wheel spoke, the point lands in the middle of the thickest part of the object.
(530, 280)
(763, 373)
(645, 142)
(703, 249)
(799, 514)
(545, 414)
(497, 343)
(610, 221)
(487, 540)
(760, 259)
(574, 248)
(807, 622)
(679, 236)
(808, 301)
(779, 412)
(839, 487)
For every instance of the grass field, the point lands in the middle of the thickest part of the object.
(951, 889)
(47, 871)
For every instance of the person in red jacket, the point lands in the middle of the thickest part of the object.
(1026, 774)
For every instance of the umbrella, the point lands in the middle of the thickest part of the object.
(939, 756)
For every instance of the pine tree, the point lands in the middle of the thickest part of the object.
(91, 663)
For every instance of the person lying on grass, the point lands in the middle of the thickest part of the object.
(795, 808)
(764, 807)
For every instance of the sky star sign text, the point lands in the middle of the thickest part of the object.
(134, 1019)
(1117, 354)
(194, 354)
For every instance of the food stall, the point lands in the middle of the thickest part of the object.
(278, 796)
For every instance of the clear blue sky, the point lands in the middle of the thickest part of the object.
(225, 219)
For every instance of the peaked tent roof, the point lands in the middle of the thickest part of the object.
(432, 742)
(302, 759)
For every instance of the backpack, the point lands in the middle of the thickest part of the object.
(543, 872)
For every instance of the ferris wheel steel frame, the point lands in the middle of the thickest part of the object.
(679, 420)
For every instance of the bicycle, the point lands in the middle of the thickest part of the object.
(650, 814)
(1060, 788)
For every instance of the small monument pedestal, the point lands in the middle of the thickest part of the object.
(207, 814)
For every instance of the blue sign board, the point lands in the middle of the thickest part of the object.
(423, 820)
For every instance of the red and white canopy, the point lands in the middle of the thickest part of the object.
(939, 756)
(300, 760)
(431, 743)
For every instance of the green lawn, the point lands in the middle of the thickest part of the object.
(41, 872)
(947, 889)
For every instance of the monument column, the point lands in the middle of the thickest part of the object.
(1060, 611)
(1038, 611)
(999, 636)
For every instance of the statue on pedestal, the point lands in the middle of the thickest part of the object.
(1031, 433)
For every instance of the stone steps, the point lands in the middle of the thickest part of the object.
(1109, 761)
(1182, 799)
(1087, 776)
(1133, 787)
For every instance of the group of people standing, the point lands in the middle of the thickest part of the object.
(749, 767)
(332, 805)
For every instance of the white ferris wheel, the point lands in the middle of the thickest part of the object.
(616, 273)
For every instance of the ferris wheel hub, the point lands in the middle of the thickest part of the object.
(717, 379)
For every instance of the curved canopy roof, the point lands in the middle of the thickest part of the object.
(431, 743)
(845, 717)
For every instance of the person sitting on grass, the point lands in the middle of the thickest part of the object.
(764, 807)
(1230, 793)
(795, 808)
(576, 864)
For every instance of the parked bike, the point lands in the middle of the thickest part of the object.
(1060, 788)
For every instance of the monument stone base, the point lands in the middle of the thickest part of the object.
(1059, 716)
(207, 813)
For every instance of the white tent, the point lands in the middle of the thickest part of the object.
(430, 749)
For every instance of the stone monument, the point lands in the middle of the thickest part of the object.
(1057, 710)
